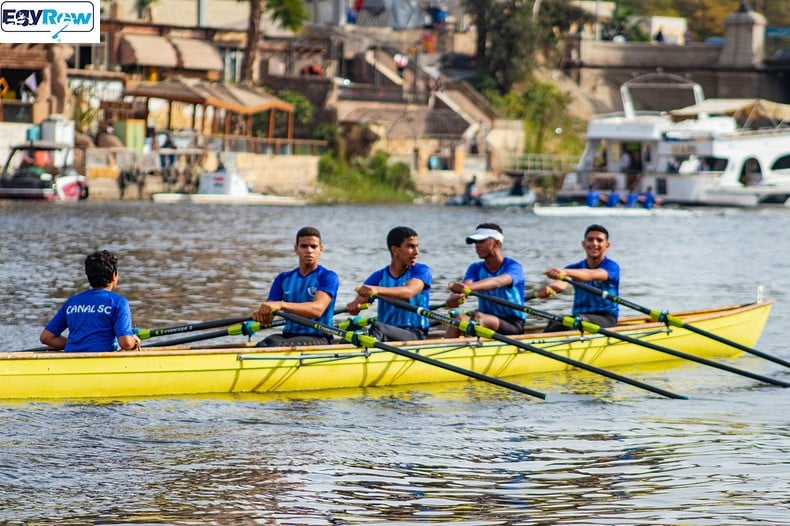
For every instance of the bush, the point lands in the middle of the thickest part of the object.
(365, 180)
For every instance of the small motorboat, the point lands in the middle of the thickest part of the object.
(42, 170)
(225, 187)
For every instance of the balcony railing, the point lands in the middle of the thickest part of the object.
(539, 163)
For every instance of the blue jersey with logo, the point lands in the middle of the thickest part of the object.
(585, 302)
(513, 293)
(292, 287)
(392, 315)
(95, 318)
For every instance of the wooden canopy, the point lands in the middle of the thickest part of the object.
(234, 99)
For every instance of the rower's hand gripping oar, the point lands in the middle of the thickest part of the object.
(576, 323)
(363, 340)
(474, 329)
(674, 321)
(145, 334)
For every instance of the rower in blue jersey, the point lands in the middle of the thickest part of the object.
(496, 275)
(597, 270)
(308, 290)
(99, 319)
(403, 279)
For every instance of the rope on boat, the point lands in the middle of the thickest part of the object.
(313, 358)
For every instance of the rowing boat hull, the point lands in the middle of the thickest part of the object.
(190, 371)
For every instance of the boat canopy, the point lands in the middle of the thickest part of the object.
(745, 111)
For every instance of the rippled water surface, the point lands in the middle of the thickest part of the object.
(597, 452)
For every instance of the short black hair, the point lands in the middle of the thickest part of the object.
(490, 226)
(596, 228)
(398, 235)
(308, 231)
(100, 267)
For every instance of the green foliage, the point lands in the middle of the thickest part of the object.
(303, 113)
(544, 109)
(621, 18)
(329, 132)
(292, 14)
(705, 18)
(510, 47)
(508, 37)
(555, 20)
(364, 180)
(303, 108)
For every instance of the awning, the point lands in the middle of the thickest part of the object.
(147, 50)
(238, 99)
(197, 54)
(742, 109)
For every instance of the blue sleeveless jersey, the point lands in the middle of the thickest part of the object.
(514, 293)
(292, 287)
(94, 318)
(392, 315)
(585, 302)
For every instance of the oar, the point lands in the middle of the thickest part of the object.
(39, 349)
(665, 317)
(363, 340)
(473, 328)
(246, 328)
(144, 334)
(578, 324)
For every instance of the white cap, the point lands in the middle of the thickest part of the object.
(481, 234)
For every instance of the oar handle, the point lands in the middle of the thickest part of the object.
(655, 314)
(247, 328)
(145, 334)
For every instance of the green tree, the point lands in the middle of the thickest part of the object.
(544, 109)
(505, 41)
(291, 14)
(510, 32)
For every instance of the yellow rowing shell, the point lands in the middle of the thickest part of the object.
(247, 369)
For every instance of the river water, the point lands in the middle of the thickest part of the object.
(463, 453)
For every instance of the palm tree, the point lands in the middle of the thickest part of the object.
(290, 13)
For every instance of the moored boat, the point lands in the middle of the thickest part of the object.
(605, 211)
(245, 369)
(42, 170)
(225, 187)
(712, 152)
